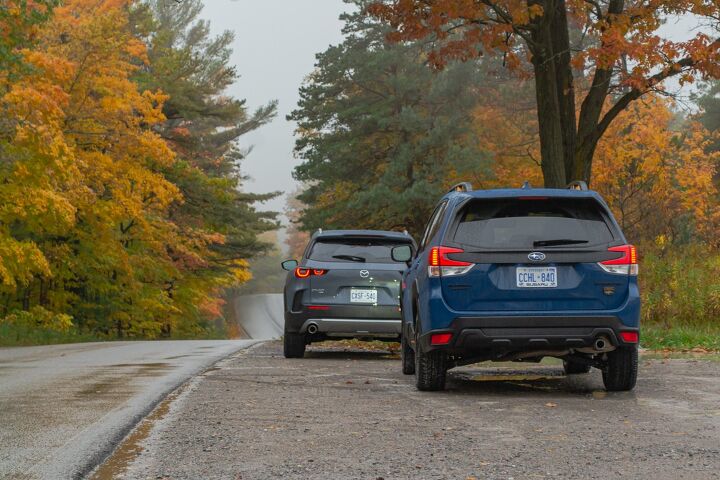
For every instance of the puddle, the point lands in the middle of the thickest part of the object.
(131, 447)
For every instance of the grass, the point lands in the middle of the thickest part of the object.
(681, 338)
(23, 336)
(20, 336)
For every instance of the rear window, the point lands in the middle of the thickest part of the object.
(529, 224)
(353, 250)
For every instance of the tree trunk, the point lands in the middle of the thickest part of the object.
(560, 38)
(552, 141)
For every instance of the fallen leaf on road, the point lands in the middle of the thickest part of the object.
(551, 405)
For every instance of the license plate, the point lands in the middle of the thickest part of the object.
(536, 277)
(363, 296)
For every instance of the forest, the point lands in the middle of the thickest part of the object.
(122, 209)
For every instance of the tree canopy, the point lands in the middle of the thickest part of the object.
(121, 207)
(589, 59)
(380, 134)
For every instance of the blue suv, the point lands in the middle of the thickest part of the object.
(518, 275)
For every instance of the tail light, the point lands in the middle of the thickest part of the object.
(307, 272)
(440, 265)
(440, 338)
(630, 337)
(624, 265)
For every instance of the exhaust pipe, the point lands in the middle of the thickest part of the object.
(312, 328)
(602, 344)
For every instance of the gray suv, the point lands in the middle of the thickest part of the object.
(347, 285)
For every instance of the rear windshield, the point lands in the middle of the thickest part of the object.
(529, 224)
(353, 250)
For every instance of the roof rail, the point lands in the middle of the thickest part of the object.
(461, 187)
(577, 185)
(526, 184)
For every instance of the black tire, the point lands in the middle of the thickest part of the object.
(574, 368)
(294, 345)
(620, 373)
(407, 356)
(430, 369)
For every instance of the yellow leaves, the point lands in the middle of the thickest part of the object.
(38, 317)
(241, 271)
(20, 261)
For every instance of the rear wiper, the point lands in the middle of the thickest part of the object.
(559, 241)
(352, 258)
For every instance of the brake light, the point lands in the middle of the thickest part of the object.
(306, 272)
(440, 338)
(624, 265)
(439, 264)
(630, 337)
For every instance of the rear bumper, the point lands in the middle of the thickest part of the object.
(347, 320)
(353, 326)
(472, 335)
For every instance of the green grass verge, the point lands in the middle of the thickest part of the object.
(22, 336)
(655, 337)
(18, 336)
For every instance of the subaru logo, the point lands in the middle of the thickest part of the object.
(365, 273)
(536, 256)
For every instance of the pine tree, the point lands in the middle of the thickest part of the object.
(380, 134)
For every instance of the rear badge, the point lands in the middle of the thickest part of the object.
(536, 256)
(364, 273)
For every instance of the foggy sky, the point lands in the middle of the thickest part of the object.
(274, 50)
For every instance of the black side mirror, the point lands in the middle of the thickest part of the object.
(403, 253)
(289, 265)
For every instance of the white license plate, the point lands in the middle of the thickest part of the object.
(536, 277)
(363, 296)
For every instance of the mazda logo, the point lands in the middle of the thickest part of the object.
(364, 273)
(536, 256)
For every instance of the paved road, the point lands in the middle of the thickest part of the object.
(64, 407)
(354, 415)
(261, 316)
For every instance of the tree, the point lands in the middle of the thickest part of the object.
(618, 57)
(202, 125)
(709, 102)
(379, 134)
(112, 213)
(297, 238)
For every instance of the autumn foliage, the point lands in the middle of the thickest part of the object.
(89, 224)
(589, 60)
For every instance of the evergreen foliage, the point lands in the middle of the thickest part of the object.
(380, 134)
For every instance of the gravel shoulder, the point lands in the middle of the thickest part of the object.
(340, 414)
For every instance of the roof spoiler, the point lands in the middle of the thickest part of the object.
(461, 187)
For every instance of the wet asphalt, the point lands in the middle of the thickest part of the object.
(63, 408)
(351, 414)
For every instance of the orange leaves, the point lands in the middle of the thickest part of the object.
(655, 177)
